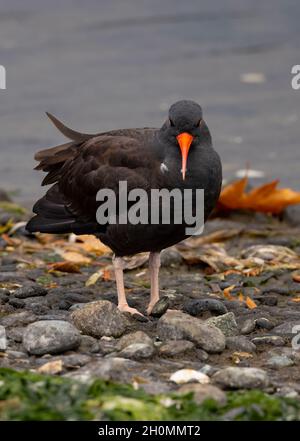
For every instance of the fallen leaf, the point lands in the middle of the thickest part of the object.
(237, 356)
(65, 267)
(92, 245)
(266, 198)
(213, 255)
(135, 261)
(233, 195)
(296, 299)
(74, 257)
(296, 277)
(93, 279)
(106, 276)
(250, 303)
(241, 297)
(51, 368)
(227, 292)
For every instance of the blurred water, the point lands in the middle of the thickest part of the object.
(100, 65)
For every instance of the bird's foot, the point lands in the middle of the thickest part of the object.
(127, 308)
(150, 307)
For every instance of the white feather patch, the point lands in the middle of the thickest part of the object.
(163, 168)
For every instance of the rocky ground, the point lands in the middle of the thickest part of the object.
(227, 320)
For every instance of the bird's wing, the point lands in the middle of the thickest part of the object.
(79, 170)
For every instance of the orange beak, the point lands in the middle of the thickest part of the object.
(184, 140)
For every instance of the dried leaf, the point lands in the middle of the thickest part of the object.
(92, 245)
(250, 303)
(51, 368)
(296, 276)
(93, 279)
(74, 257)
(216, 236)
(106, 275)
(241, 297)
(135, 261)
(266, 198)
(237, 356)
(65, 267)
(233, 195)
(213, 255)
(227, 292)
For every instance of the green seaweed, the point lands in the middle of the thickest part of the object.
(30, 396)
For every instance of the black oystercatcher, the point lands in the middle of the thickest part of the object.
(179, 155)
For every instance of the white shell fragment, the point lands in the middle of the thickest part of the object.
(186, 375)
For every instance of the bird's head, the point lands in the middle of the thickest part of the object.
(184, 126)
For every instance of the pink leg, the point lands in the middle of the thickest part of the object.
(154, 265)
(122, 302)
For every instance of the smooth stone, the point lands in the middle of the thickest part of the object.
(18, 319)
(50, 337)
(74, 361)
(199, 306)
(133, 338)
(176, 325)
(286, 329)
(226, 323)
(274, 340)
(204, 392)
(88, 344)
(264, 323)
(30, 291)
(16, 303)
(16, 334)
(16, 354)
(138, 351)
(3, 340)
(241, 378)
(240, 343)
(100, 318)
(248, 326)
(170, 257)
(279, 362)
(176, 347)
(287, 392)
(114, 369)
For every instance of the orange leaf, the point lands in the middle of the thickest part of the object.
(296, 299)
(266, 198)
(65, 267)
(296, 277)
(262, 191)
(227, 292)
(93, 245)
(241, 297)
(233, 195)
(250, 303)
(106, 276)
(74, 257)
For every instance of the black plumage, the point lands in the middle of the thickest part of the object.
(78, 169)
